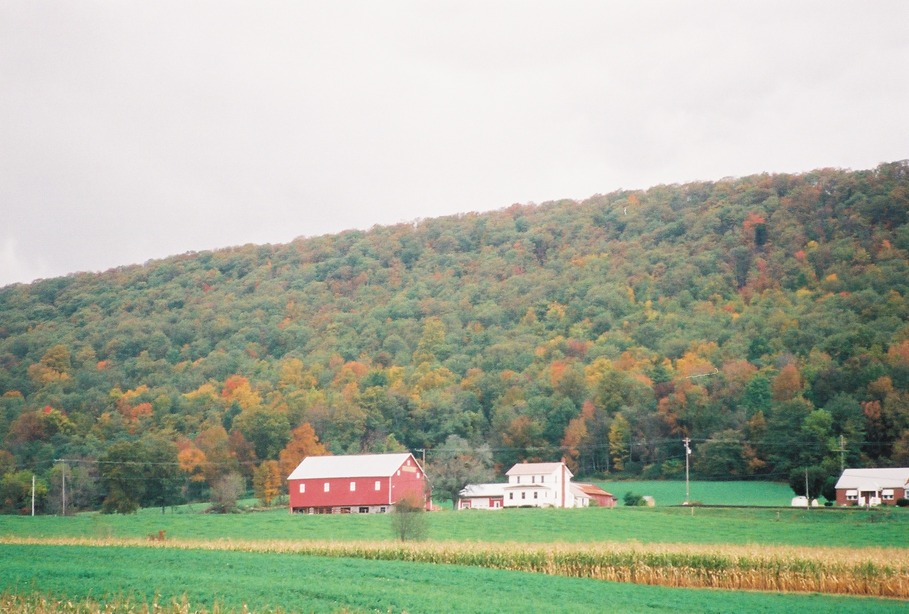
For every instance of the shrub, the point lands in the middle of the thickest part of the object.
(632, 499)
(408, 519)
(902, 502)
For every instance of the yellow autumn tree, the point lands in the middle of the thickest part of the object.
(267, 481)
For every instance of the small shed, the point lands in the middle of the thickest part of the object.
(597, 495)
(482, 497)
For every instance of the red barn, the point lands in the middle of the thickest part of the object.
(357, 484)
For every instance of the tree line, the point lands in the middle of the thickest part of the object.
(763, 317)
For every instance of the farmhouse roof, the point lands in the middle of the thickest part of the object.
(352, 466)
(538, 469)
(873, 479)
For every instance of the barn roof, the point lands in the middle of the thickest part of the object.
(352, 466)
(887, 477)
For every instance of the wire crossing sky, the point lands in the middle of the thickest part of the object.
(132, 130)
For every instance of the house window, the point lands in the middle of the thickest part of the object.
(511, 495)
(523, 495)
(533, 479)
(519, 479)
(302, 487)
(542, 479)
(535, 495)
(851, 495)
(887, 495)
(353, 486)
(325, 487)
(378, 485)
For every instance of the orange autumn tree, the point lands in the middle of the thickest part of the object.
(303, 442)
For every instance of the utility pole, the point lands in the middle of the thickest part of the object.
(807, 494)
(687, 454)
(33, 494)
(63, 480)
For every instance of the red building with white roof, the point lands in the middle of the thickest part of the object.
(355, 484)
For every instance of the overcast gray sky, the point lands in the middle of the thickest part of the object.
(132, 131)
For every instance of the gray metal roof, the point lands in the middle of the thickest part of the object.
(352, 466)
(873, 479)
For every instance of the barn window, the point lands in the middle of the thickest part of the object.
(302, 487)
(378, 485)
(418, 475)
(364, 510)
(353, 486)
(325, 487)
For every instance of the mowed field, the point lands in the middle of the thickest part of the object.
(505, 561)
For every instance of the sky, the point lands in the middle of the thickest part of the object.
(135, 130)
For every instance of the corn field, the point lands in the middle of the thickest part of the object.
(877, 572)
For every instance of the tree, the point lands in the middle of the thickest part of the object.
(226, 491)
(267, 482)
(121, 478)
(619, 436)
(303, 442)
(162, 472)
(408, 521)
(455, 464)
(721, 456)
(816, 478)
(266, 429)
(137, 473)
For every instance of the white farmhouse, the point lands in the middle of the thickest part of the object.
(540, 485)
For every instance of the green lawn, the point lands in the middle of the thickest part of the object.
(313, 584)
(773, 494)
(788, 526)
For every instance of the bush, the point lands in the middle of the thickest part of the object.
(632, 499)
(902, 502)
(408, 521)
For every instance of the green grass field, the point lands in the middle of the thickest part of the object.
(816, 527)
(772, 494)
(314, 584)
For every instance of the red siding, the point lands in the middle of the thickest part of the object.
(408, 479)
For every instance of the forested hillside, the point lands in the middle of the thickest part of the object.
(766, 318)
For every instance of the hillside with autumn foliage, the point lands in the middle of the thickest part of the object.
(766, 318)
